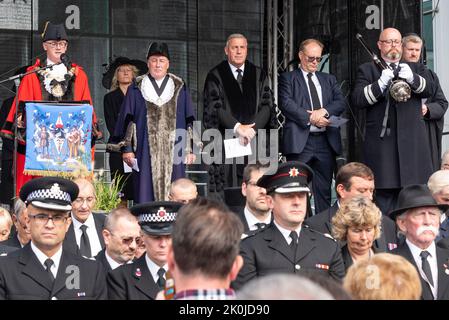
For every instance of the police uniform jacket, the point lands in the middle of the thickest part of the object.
(101, 258)
(401, 157)
(268, 252)
(22, 277)
(443, 271)
(132, 282)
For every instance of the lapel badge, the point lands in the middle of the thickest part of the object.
(81, 294)
(392, 246)
(446, 267)
(322, 266)
(138, 272)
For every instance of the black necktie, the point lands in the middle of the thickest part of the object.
(393, 66)
(48, 263)
(161, 280)
(316, 104)
(240, 79)
(294, 242)
(85, 243)
(260, 225)
(426, 266)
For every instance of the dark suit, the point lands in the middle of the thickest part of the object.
(101, 258)
(4, 249)
(346, 255)
(322, 222)
(443, 278)
(317, 150)
(402, 156)
(70, 239)
(268, 252)
(132, 282)
(22, 277)
(12, 242)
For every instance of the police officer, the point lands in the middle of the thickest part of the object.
(143, 279)
(287, 245)
(42, 269)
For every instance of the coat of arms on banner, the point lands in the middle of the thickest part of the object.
(58, 138)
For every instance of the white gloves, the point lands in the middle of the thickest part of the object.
(406, 73)
(386, 76)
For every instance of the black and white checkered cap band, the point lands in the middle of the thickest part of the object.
(155, 217)
(49, 194)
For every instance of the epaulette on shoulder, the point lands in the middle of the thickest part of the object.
(326, 235)
(3, 254)
(251, 233)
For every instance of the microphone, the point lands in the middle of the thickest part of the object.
(65, 59)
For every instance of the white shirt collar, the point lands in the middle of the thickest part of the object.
(90, 222)
(114, 264)
(42, 257)
(416, 251)
(57, 70)
(252, 220)
(305, 73)
(154, 268)
(234, 69)
(286, 232)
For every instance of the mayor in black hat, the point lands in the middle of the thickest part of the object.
(42, 268)
(288, 245)
(143, 279)
(418, 218)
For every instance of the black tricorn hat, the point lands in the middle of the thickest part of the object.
(53, 193)
(160, 48)
(54, 32)
(415, 196)
(156, 218)
(120, 61)
(291, 176)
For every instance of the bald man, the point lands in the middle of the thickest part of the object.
(183, 190)
(84, 236)
(395, 146)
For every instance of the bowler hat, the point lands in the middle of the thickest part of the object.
(415, 196)
(52, 193)
(156, 218)
(54, 32)
(120, 61)
(292, 176)
(160, 48)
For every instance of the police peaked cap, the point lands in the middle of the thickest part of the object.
(156, 218)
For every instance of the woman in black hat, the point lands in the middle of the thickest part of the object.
(120, 74)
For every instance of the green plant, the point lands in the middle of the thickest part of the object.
(108, 193)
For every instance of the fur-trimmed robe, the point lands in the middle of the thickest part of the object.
(156, 145)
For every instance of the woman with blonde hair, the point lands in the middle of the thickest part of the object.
(356, 225)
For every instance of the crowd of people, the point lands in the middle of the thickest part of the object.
(385, 237)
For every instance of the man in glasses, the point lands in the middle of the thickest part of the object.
(65, 81)
(43, 269)
(121, 235)
(143, 279)
(84, 236)
(395, 145)
(308, 98)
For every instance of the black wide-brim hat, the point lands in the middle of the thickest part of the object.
(415, 196)
(291, 176)
(160, 48)
(52, 193)
(156, 218)
(54, 32)
(141, 66)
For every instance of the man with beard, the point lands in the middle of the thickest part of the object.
(418, 217)
(256, 214)
(395, 147)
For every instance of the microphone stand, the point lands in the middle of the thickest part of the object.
(12, 78)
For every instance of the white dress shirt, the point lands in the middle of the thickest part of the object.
(95, 244)
(252, 220)
(286, 232)
(42, 257)
(154, 268)
(432, 259)
(235, 74)
(112, 263)
(320, 95)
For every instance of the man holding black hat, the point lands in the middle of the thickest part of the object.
(418, 217)
(43, 269)
(287, 245)
(65, 81)
(160, 106)
(143, 279)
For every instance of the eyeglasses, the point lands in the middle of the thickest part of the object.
(55, 44)
(251, 183)
(312, 59)
(391, 41)
(43, 218)
(80, 201)
(128, 240)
